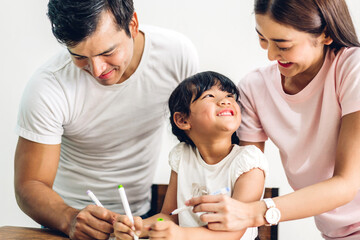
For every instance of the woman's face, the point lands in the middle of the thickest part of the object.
(297, 53)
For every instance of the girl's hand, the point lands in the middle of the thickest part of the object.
(166, 230)
(228, 214)
(124, 229)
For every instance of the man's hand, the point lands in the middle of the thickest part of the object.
(124, 229)
(92, 222)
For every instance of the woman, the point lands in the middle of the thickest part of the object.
(308, 104)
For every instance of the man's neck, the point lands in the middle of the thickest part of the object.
(139, 45)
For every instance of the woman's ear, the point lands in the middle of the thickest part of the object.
(327, 40)
(181, 121)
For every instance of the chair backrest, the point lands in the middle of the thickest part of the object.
(265, 233)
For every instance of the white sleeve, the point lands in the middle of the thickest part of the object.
(175, 156)
(249, 158)
(42, 110)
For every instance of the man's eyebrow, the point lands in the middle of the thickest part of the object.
(105, 52)
(273, 39)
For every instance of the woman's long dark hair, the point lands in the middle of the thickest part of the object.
(315, 17)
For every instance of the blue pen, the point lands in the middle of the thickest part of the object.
(224, 190)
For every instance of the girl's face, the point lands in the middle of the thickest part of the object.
(297, 53)
(213, 113)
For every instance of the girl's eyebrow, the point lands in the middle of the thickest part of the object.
(274, 39)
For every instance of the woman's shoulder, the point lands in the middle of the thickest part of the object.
(258, 76)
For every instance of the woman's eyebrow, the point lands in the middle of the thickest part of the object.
(274, 39)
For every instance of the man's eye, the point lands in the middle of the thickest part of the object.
(80, 58)
(108, 54)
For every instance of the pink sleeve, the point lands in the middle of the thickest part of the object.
(348, 80)
(251, 129)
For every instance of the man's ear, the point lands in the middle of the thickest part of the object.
(134, 26)
(181, 121)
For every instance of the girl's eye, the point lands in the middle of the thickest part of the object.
(208, 95)
(231, 96)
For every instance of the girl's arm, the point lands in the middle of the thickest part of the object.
(248, 187)
(309, 201)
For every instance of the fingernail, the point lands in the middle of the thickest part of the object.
(138, 233)
(187, 202)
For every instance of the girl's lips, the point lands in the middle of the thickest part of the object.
(107, 75)
(226, 112)
(285, 65)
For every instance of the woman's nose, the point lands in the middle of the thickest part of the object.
(273, 53)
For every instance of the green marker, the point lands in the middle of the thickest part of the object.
(160, 219)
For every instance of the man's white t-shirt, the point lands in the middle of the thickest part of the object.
(196, 178)
(305, 127)
(109, 135)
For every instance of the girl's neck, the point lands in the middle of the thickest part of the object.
(214, 152)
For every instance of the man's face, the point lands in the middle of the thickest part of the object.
(108, 52)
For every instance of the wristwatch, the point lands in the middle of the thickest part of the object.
(272, 214)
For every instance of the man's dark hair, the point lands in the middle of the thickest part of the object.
(74, 20)
(189, 90)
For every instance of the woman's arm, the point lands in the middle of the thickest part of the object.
(248, 187)
(309, 201)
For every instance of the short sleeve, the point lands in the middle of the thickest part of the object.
(249, 157)
(42, 110)
(175, 156)
(348, 80)
(251, 129)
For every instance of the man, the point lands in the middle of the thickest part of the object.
(92, 116)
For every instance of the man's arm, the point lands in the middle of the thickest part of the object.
(35, 170)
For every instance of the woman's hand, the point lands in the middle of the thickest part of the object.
(228, 214)
(124, 229)
(166, 230)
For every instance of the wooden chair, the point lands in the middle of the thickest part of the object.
(265, 233)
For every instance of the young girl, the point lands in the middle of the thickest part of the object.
(308, 104)
(204, 117)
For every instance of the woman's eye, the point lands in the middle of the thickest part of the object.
(283, 49)
(108, 54)
(262, 39)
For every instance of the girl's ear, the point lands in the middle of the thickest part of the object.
(181, 121)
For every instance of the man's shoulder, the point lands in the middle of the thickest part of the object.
(166, 38)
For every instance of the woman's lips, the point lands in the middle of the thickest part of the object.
(285, 64)
(107, 75)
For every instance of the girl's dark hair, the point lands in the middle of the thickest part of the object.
(189, 90)
(74, 20)
(315, 17)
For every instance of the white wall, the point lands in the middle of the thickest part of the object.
(222, 31)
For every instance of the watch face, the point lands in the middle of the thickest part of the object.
(272, 216)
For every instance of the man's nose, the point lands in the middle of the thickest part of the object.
(98, 66)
